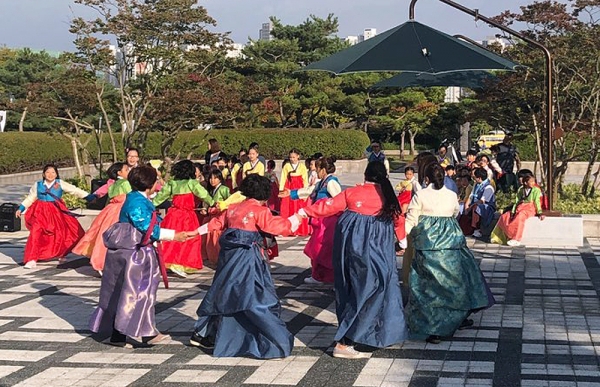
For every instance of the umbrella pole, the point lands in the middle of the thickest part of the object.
(549, 98)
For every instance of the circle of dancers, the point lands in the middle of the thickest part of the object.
(227, 212)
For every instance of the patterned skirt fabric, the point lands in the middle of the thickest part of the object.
(446, 284)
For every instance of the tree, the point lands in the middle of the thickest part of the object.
(294, 98)
(18, 70)
(157, 42)
(408, 111)
(572, 34)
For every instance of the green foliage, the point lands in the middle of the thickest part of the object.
(571, 201)
(22, 152)
(28, 151)
(72, 201)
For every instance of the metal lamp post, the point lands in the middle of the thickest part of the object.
(549, 97)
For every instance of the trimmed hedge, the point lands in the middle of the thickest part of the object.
(29, 151)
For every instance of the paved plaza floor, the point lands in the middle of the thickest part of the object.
(544, 331)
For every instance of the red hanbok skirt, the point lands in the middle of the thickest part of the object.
(182, 217)
(52, 231)
(289, 207)
(92, 244)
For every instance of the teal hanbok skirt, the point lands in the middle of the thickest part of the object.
(446, 284)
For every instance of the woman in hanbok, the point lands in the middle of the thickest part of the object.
(53, 229)
(294, 175)
(92, 244)
(367, 292)
(219, 193)
(184, 190)
(511, 224)
(446, 284)
(132, 269)
(239, 316)
(319, 247)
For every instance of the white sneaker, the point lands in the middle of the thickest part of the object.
(178, 272)
(30, 265)
(477, 234)
(513, 243)
(348, 353)
(312, 281)
(100, 272)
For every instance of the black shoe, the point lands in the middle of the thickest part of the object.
(467, 323)
(434, 339)
(203, 342)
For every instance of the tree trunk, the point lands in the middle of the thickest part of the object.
(402, 144)
(585, 184)
(22, 120)
(75, 150)
(412, 135)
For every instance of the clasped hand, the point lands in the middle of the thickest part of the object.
(284, 194)
(185, 235)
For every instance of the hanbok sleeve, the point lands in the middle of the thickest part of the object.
(235, 198)
(103, 190)
(329, 207)
(271, 224)
(536, 197)
(414, 211)
(260, 169)
(140, 218)
(284, 175)
(200, 192)
(334, 188)
(302, 193)
(31, 197)
(304, 172)
(164, 194)
(234, 173)
(70, 188)
(218, 223)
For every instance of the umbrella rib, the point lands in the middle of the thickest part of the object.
(422, 47)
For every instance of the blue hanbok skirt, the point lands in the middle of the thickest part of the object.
(446, 284)
(241, 310)
(367, 291)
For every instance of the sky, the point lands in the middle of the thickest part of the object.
(44, 24)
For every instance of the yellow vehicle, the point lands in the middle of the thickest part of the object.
(487, 140)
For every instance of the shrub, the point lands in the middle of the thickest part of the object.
(29, 151)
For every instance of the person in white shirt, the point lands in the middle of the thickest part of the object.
(446, 284)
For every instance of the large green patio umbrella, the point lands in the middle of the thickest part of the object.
(473, 79)
(412, 47)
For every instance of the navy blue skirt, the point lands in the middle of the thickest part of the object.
(241, 310)
(368, 297)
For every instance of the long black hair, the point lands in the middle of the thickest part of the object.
(424, 160)
(435, 174)
(376, 173)
(113, 170)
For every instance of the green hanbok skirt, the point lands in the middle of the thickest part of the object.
(446, 284)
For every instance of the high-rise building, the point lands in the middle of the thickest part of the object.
(369, 33)
(265, 32)
(351, 40)
(495, 40)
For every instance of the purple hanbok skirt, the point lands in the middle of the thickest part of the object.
(129, 284)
